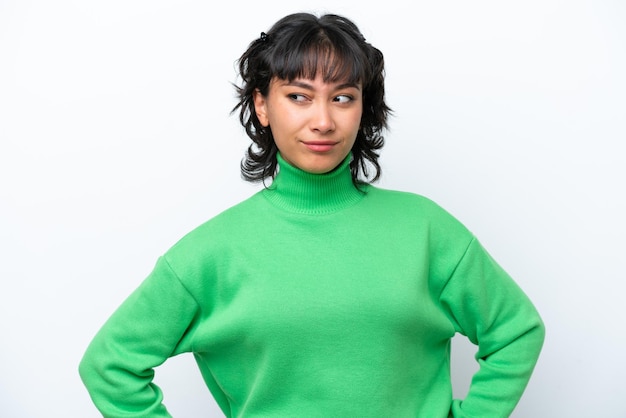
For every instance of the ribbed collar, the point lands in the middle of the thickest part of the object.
(296, 190)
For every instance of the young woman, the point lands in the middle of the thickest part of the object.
(321, 295)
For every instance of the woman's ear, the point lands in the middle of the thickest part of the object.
(260, 107)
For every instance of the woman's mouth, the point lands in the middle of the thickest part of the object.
(320, 146)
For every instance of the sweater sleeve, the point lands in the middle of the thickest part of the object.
(150, 326)
(488, 307)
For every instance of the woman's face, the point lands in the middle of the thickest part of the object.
(314, 123)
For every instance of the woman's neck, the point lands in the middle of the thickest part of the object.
(298, 191)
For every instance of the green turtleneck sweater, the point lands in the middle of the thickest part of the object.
(315, 299)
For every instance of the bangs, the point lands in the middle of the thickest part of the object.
(336, 60)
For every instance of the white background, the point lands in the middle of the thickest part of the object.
(116, 139)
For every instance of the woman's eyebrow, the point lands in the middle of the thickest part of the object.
(308, 86)
(299, 83)
(348, 86)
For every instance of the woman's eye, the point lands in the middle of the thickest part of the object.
(344, 98)
(297, 97)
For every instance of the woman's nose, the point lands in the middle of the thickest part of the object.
(322, 119)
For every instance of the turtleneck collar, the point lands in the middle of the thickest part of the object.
(298, 191)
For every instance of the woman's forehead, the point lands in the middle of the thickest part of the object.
(317, 81)
(331, 68)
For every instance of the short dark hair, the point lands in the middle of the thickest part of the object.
(300, 45)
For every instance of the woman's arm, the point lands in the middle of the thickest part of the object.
(149, 327)
(487, 306)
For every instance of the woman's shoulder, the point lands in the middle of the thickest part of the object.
(413, 207)
(404, 199)
(221, 226)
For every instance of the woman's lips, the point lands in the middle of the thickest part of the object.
(320, 146)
